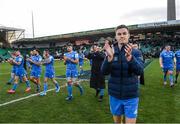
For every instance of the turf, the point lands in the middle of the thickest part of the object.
(158, 103)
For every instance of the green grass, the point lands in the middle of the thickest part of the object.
(157, 103)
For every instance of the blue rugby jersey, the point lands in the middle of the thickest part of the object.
(81, 57)
(69, 64)
(50, 66)
(20, 68)
(177, 56)
(167, 59)
(35, 67)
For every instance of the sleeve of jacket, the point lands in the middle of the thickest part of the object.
(136, 64)
(88, 55)
(101, 55)
(106, 67)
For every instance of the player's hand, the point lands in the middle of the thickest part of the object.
(109, 51)
(69, 59)
(65, 58)
(27, 59)
(128, 50)
(91, 49)
(44, 55)
(30, 60)
(10, 60)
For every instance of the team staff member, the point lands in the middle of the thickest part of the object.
(97, 79)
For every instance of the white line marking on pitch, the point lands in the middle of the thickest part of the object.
(20, 99)
(32, 95)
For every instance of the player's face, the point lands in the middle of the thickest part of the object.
(106, 42)
(95, 48)
(17, 53)
(34, 52)
(168, 48)
(69, 48)
(98, 48)
(31, 53)
(122, 36)
(135, 46)
(45, 54)
(14, 54)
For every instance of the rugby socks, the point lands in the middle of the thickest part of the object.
(20, 80)
(38, 87)
(101, 92)
(14, 86)
(11, 80)
(45, 86)
(101, 95)
(80, 88)
(165, 77)
(81, 71)
(69, 88)
(56, 84)
(171, 78)
(27, 83)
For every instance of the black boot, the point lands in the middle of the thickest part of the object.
(97, 92)
(100, 99)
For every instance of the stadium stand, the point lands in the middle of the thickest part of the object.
(151, 37)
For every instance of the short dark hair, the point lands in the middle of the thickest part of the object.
(110, 40)
(94, 45)
(47, 51)
(121, 26)
(69, 44)
(167, 45)
(38, 51)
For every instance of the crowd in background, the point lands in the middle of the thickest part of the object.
(150, 47)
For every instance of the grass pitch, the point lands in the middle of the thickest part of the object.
(158, 103)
